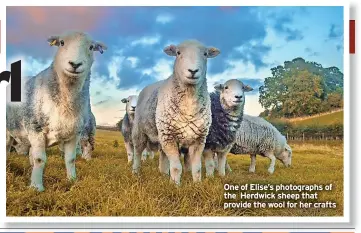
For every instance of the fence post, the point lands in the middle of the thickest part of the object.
(303, 136)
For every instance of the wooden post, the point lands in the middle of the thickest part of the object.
(303, 136)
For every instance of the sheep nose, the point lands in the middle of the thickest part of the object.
(75, 65)
(238, 97)
(133, 108)
(193, 72)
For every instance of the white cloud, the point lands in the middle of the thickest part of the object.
(134, 61)
(147, 40)
(161, 70)
(164, 18)
(30, 66)
(111, 111)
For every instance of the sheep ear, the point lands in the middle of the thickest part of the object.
(171, 50)
(247, 88)
(124, 100)
(218, 87)
(99, 46)
(54, 41)
(213, 52)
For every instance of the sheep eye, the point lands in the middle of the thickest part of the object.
(91, 47)
(178, 53)
(62, 43)
(226, 87)
(205, 53)
(128, 101)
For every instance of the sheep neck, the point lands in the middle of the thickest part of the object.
(130, 118)
(71, 92)
(189, 98)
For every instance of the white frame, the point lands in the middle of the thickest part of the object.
(346, 193)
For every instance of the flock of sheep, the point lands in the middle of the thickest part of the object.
(176, 116)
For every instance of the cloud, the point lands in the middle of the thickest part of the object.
(335, 32)
(164, 18)
(147, 40)
(335, 35)
(282, 20)
(311, 53)
(47, 21)
(30, 66)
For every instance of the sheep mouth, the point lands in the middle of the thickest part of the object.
(73, 72)
(237, 101)
(192, 77)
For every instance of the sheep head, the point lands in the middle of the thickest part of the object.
(191, 60)
(232, 94)
(131, 103)
(74, 56)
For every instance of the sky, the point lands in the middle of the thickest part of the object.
(252, 40)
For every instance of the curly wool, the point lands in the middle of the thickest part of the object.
(257, 136)
(223, 130)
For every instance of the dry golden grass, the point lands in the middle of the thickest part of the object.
(106, 186)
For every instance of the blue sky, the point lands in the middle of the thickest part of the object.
(251, 39)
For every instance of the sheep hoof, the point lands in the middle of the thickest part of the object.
(252, 170)
(135, 171)
(271, 170)
(209, 175)
(38, 187)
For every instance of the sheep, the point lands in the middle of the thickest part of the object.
(176, 112)
(56, 104)
(126, 128)
(258, 136)
(227, 106)
(84, 147)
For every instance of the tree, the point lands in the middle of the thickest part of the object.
(301, 88)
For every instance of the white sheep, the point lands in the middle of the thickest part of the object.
(126, 128)
(176, 112)
(258, 136)
(56, 104)
(227, 106)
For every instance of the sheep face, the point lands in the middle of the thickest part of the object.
(286, 156)
(232, 93)
(191, 60)
(74, 57)
(131, 103)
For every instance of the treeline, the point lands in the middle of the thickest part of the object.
(306, 132)
(301, 88)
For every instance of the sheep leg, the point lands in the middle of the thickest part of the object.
(31, 160)
(9, 142)
(163, 163)
(61, 148)
(252, 166)
(271, 168)
(140, 143)
(228, 168)
(145, 154)
(209, 162)
(38, 157)
(70, 156)
(222, 159)
(175, 166)
(215, 159)
(195, 153)
(86, 150)
(130, 151)
(187, 162)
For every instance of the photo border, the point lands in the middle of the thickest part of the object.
(228, 219)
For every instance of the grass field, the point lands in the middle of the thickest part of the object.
(328, 119)
(106, 186)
